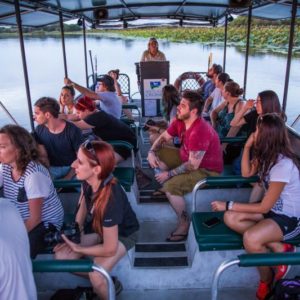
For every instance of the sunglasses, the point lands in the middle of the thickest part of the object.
(90, 148)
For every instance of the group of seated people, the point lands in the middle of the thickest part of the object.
(199, 125)
(185, 148)
(58, 149)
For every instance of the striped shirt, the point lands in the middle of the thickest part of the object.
(34, 183)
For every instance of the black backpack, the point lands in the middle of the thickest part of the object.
(287, 289)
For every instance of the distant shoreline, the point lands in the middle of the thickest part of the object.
(265, 39)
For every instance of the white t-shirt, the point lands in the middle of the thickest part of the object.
(16, 278)
(288, 202)
(217, 98)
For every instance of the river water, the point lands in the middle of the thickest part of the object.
(46, 73)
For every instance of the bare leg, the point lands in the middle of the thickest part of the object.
(178, 204)
(240, 222)
(97, 280)
(258, 237)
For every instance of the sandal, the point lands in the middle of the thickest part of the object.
(178, 237)
(158, 193)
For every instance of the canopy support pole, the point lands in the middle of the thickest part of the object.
(85, 53)
(247, 48)
(61, 23)
(21, 39)
(225, 42)
(290, 52)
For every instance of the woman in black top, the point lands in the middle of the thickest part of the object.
(266, 102)
(107, 222)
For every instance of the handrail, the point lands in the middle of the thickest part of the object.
(8, 113)
(219, 181)
(253, 260)
(79, 265)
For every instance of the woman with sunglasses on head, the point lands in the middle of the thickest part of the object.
(266, 225)
(28, 185)
(108, 224)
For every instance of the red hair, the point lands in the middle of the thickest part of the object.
(106, 159)
(85, 103)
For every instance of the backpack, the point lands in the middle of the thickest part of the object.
(287, 289)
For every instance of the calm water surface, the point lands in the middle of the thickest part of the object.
(46, 73)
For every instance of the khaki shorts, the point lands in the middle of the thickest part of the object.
(180, 185)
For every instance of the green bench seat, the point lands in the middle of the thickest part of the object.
(125, 176)
(218, 237)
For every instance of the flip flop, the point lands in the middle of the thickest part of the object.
(181, 237)
(158, 193)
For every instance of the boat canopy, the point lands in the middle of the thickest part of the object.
(101, 13)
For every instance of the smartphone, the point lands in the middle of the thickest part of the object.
(211, 222)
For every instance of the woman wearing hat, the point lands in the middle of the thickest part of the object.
(152, 53)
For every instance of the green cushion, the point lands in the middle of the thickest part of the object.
(125, 175)
(218, 237)
(80, 265)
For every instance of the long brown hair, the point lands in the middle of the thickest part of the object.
(272, 140)
(102, 154)
(25, 144)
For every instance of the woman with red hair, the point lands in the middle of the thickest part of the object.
(107, 222)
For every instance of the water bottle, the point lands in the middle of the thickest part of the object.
(157, 171)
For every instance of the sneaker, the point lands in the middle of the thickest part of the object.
(282, 270)
(263, 290)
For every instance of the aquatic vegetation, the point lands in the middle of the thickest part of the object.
(263, 36)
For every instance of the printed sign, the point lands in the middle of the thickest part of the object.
(153, 88)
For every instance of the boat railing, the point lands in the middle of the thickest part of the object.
(80, 265)
(253, 260)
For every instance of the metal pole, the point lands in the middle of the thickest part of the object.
(247, 48)
(290, 52)
(198, 185)
(225, 42)
(21, 39)
(110, 284)
(61, 23)
(226, 264)
(85, 53)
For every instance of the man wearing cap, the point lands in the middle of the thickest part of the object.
(105, 93)
(153, 54)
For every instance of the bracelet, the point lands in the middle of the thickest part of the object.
(169, 174)
(230, 205)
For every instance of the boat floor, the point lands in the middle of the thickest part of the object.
(178, 294)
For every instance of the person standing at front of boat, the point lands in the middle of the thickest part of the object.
(268, 225)
(152, 53)
(105, 94)
(28, 185)
(199, 156)
(54, 135)
(108, 224)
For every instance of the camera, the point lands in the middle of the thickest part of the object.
(71, 231)
(149, 122)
